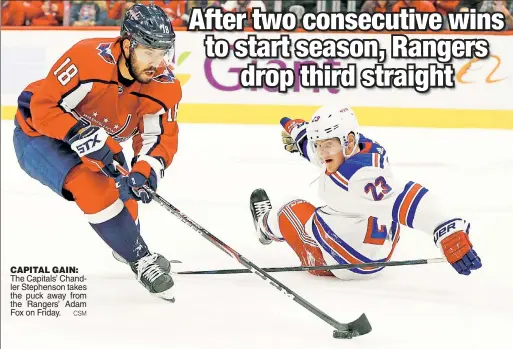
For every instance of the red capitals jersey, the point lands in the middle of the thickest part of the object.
(83, 83)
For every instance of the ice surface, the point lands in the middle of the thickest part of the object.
(215, 170)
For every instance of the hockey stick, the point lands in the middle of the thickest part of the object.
(321, 267)
(349, 330)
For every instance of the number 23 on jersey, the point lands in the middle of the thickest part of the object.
(379, 188)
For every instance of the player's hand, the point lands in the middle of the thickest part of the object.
(452, 238)
(143, 174)
(289, 143)
(294, 134)
(98, 150)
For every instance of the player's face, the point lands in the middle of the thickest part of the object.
(330, 151)
(145, 62)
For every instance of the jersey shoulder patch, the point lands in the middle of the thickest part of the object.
(105, 52)
(96, 58)
(166, 77)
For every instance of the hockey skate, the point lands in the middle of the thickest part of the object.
(150, 274)
(161, 261)
(259, 204)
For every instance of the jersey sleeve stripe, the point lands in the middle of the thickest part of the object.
(72, 101)
(407, 203)
(73, 98)
(398, 202)
(413, 208)
(152, 124)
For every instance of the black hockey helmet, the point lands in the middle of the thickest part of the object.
(148, 26)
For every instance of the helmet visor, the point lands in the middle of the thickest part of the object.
(329, 147)
(154, 57)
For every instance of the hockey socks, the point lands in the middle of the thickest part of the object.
(264, 226)
(122, 234)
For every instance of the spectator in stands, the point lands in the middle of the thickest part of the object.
(13, 13)
(419, 5)
(489, 6)
(479, 5)
(45, 13)
(446, 6)
(175, 10)
(88, 13)
(380, 6)
(119, 8)
(243, 6)
(309, 6)
(203, 3)
(110, 4)
(502, 6)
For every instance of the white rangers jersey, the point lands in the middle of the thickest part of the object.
(365, 207)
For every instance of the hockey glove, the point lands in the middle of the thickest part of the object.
(147, 171)
(97, 150)
(294, 134)
(452, 238)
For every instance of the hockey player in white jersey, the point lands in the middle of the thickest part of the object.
(365, 205)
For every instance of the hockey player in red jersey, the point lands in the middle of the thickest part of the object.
(68, 128)
(365, 204)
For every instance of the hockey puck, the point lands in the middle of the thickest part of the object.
(342, 334)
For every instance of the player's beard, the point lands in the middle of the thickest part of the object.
(137, 73)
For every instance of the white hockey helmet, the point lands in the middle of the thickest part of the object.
(334, 122)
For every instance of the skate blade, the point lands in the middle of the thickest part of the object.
(122, 260)
(168, 296)
(172, 300)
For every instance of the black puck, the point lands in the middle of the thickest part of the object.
(342, 334)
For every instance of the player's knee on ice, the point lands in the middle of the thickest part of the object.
(292, 218)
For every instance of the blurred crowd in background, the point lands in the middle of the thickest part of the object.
(110, 13)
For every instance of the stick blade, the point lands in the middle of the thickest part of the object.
(359, 327)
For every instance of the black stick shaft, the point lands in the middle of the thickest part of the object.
(249, 265)
(307, 268)
(355, 328)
